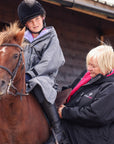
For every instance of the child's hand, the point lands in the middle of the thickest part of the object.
(27, 77)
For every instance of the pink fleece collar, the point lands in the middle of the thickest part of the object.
(83, 81)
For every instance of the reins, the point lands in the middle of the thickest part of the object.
(14, 73)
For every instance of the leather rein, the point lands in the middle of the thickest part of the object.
(14, 73)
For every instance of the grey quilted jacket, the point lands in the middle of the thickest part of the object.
(43, 58)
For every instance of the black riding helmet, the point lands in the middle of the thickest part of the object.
(29, 9)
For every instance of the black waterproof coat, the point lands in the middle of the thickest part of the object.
(89, 115)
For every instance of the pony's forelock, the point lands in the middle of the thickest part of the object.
(9, 33)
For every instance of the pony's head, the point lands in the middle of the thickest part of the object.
(11, 59)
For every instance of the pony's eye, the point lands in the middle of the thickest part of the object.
(15, 56)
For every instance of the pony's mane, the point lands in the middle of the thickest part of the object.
(9, 33)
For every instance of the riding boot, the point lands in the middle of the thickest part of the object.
(54, 120)
(52, 116)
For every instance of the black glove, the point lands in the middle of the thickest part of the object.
(27, 77)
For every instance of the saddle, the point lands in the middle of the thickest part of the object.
(62, 96)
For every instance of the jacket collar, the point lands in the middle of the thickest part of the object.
(101, 78)
(28, 36)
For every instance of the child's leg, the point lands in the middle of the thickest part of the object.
(52, 115)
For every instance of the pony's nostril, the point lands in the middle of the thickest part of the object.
(2, 83)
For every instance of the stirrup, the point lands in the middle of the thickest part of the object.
(55, 137)
(65, 140)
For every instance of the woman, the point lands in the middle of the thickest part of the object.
(88, 115)
(43, 58)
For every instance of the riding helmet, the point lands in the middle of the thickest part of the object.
(29, 9)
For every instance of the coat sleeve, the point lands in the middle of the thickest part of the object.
(51, 60)
(99, 112)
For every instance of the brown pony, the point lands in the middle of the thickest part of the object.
(21, 118)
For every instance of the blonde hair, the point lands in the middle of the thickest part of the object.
(104, 55)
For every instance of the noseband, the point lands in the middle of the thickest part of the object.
(13, 74)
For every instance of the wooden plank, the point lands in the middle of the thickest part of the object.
(95, 11)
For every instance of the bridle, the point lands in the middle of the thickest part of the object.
(13, 74)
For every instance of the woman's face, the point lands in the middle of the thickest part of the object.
(93, 67)
(35, 24)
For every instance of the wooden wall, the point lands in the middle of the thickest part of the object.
(77, 32)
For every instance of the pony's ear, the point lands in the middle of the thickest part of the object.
(20, 36)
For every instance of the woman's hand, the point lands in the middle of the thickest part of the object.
(60, 110)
